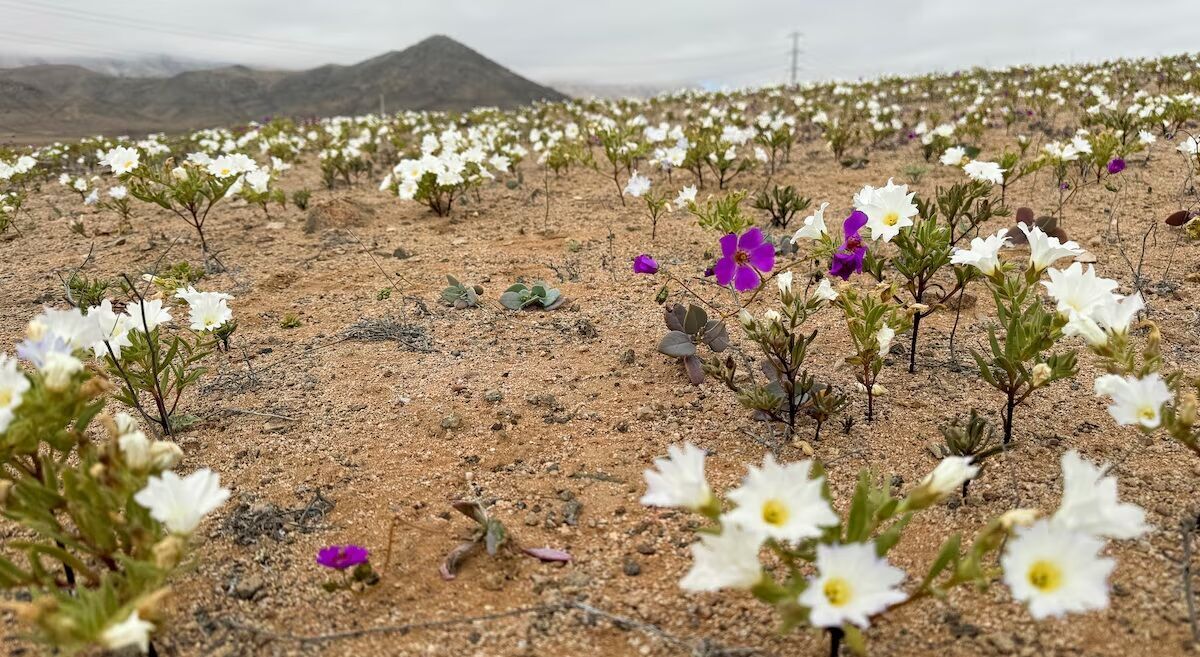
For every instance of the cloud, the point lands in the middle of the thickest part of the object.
(616, 41)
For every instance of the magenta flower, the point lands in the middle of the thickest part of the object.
(341, 557)
(644, 264)
(1117, 165)
(849, 258)
(744, 260)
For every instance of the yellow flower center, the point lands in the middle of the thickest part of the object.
(6, 398)
(1147, 413)
(1045, 576)
(837, 591)
(891, 218)
(225, 172)
(128, 164)
(774, 513)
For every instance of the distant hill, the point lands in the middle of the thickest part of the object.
(54, 100)
(151, 66)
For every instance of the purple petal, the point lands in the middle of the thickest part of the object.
(547, 554)
(729, 244)
(844, 264)
(746, 279)
(854, 223)
(762, 257)
(750, 239)
(724, 270)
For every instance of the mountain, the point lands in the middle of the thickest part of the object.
(151, 66)
(60, 101)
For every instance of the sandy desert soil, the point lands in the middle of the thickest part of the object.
(551, 418)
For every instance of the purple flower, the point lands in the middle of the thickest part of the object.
(341, 557)
(37, 351)
(744, 259)
(644, 264)
(849, 259)
(1117, 165)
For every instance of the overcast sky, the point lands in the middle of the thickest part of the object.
(735, 42)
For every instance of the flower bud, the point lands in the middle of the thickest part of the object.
(1018, 518)
(1041, 374)
(165, 455)
(949, 475)
(95, 386)
(35, 330)
(125, 423)
(168, 552)
(1187, 409)
(746, 319)
(772, 316)
(135, 450)
(97, 470)
(151, 606)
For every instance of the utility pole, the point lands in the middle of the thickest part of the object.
(795, 55)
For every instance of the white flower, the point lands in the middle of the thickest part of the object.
(500, 162)
(114, 330)
(825, 290)
(258, 180)
(637, 185)
(1090, 505)
(1135, 401)
(784, 281)
(781, 501)
(148, 315)
(181, 503)
(1117, 312)
(1081, 325)
(57, 368)
(851, 585)
(1056, 570)
(1044, 250)
(728, 560)
(814, 226)
(686, 195)
(949, 475)
(135, 449)
(117, 193)
(13, 386)
(889, 209)
(980, 171)
(1077, 290)
(121, 160)
(132, 631)
(70, 326)
(954, 156)
(207, 310)
(984, 253)
(679, 480)
(884, 338)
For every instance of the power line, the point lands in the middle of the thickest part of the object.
(76, 46)
(178, 30)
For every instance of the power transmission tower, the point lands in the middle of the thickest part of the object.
(795, 55)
